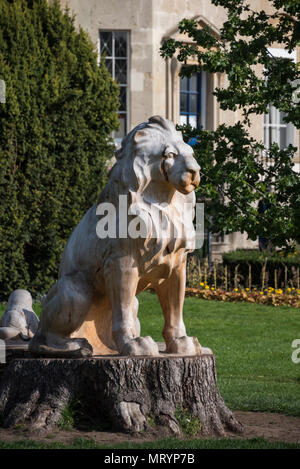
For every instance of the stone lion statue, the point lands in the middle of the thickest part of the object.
(19, 322)
(92, 309)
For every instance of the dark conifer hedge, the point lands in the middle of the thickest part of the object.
(54, 138)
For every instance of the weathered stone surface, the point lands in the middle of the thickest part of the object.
(19, 322)
(122, 391)
(93, 308)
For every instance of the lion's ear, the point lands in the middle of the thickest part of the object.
(139, 136)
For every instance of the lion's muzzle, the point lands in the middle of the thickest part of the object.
(193, 170)
(195, 175)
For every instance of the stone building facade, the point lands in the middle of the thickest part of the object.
(129, 33)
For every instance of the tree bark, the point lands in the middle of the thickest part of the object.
(125, 392)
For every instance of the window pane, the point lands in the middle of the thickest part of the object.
(122, 128)
(106, 43)
(273, 115)
(108, 63)
(270, 136)
(266, 137)
(193, 103)
(120, 44)
(290, 134)
(122, 98)
(194, 82)
(274, 135)
(193, 121)
(282, 115)
(121, 71)
(283, 138)
(183, 102)
(183, 84)
(183, 120)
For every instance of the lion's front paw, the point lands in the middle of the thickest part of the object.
(186, 346)
(140, 346)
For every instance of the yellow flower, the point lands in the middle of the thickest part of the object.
(247, 289)
(235, 289)
(202, 284)
(261, 292)
(206, 287)
(212, 288)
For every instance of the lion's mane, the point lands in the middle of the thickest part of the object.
(131, 170)
(131, 173)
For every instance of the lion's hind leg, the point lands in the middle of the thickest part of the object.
(63, 311)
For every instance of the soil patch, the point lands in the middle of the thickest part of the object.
(270, 426)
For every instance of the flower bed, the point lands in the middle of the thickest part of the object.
(289, 297)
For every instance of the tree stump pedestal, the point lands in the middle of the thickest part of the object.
(126, 393)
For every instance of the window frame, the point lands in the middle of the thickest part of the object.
(188, 93)
(276, 126)
(113, 58)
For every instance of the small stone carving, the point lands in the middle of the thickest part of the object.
(19, 322)
(93, 306)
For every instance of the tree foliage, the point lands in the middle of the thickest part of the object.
(234, 177)
(54, 138)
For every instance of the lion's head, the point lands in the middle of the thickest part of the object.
(154, 152)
